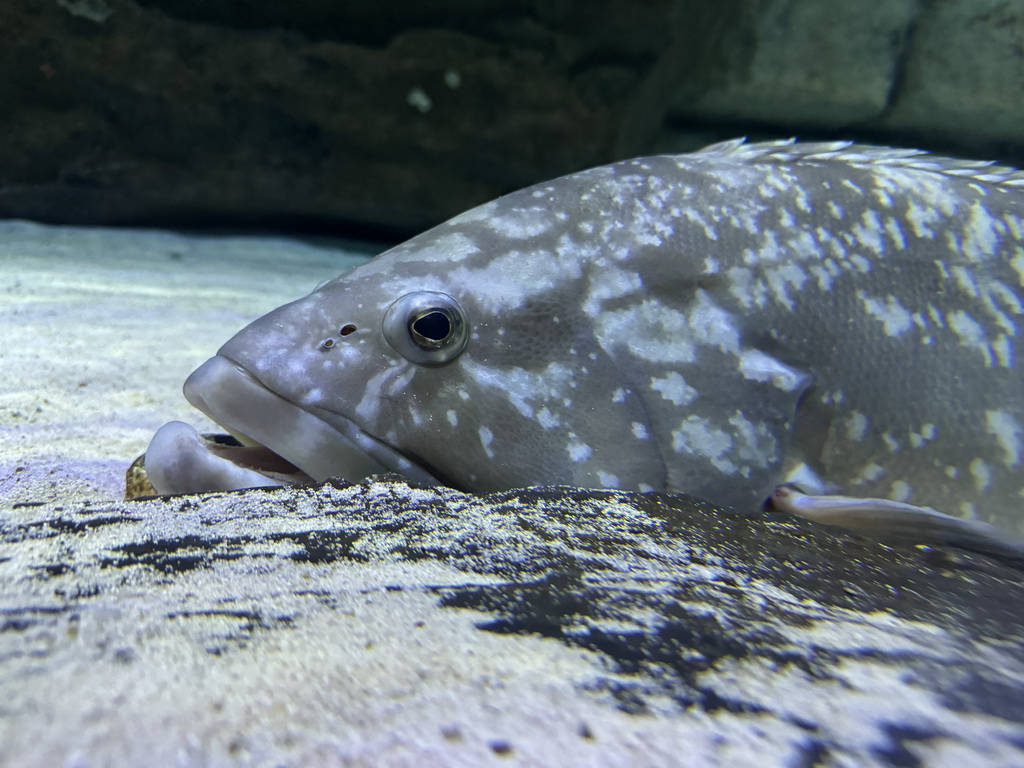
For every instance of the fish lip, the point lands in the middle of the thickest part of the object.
(180, 460)
(234, 397)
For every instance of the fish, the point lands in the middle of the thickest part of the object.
(836, 318)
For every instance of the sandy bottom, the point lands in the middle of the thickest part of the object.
(99, 329)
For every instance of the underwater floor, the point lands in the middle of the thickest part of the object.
(101, 327)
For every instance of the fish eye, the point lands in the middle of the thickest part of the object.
(426, 327)
(430, 329)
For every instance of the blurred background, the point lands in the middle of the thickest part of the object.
(381, 119)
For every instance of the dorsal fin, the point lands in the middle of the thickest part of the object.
(790, 150)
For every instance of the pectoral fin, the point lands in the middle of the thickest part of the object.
(886, 519)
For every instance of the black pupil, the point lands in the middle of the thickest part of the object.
(434, 326)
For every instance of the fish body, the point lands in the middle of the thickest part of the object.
(716, 323)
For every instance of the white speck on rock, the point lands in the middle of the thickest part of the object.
(417, 98)
(452, 79)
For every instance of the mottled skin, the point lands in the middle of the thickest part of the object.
(713, 323)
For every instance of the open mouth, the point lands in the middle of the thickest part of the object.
(180, 460)
(280, 442)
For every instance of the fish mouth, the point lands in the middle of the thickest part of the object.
(180, 460)
(235, 398)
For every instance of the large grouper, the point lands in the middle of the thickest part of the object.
(830, 325)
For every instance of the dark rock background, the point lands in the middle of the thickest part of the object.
(392, 116)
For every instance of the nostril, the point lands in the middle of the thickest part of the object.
(347, 329)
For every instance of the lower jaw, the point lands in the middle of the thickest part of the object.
(180, 460)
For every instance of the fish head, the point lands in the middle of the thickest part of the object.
(461, 357)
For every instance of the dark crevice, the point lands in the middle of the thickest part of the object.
(898, 752)
(898, 79)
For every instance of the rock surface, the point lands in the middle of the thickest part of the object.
(801, 65)
(394, 116)
(962, 81)
(381, 623)
(943, 76)
(382, 115)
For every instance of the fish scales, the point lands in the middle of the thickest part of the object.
(714, 323)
